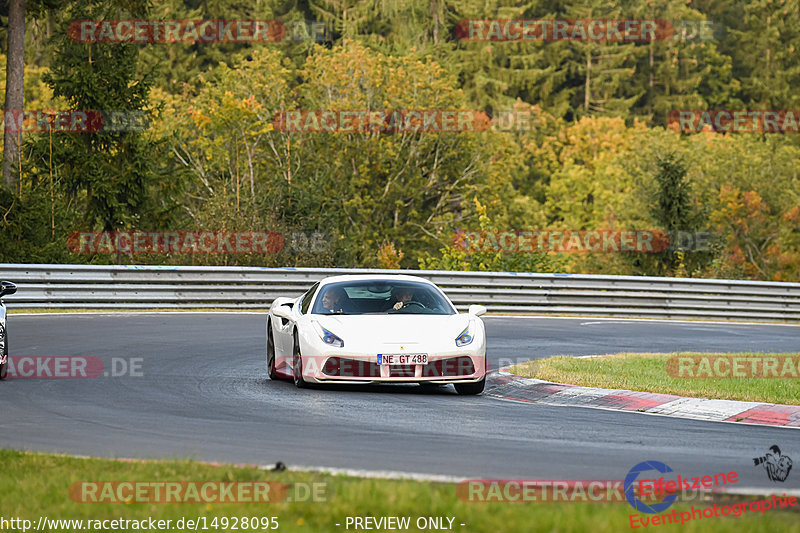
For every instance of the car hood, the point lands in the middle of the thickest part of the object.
(396, 330)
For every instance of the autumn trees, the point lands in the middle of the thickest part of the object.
(577, 138)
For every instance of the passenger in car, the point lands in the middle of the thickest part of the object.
(334, 300)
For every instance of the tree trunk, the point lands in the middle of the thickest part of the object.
(435, 16)
(15, 69)
(588, 85)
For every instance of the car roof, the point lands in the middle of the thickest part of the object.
(374, 277)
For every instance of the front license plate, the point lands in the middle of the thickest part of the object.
(402, 358)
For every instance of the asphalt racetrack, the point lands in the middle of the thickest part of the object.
(203, 394)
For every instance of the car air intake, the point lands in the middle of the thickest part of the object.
(452, 367)
(350, 368)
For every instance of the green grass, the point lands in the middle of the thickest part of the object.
(648, 373)
(36, 484)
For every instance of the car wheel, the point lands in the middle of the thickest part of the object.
(470, 389)
(271, 353)
(297, 364)
(4, 366)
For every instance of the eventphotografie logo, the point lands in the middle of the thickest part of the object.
(653, 514)
(776, 464)
(630, 483)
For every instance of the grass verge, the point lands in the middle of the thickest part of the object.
(37, 484)
(648, 373)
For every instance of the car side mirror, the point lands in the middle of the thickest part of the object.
(6, 288)
(476, 310)
(282, 311)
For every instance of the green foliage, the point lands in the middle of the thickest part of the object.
(592, 152)
(361, 187)
(674, 209)
(455, 257)
(114, 168)
(26, 234)
(94, 179)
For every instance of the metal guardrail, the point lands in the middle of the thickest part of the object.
(132, 287)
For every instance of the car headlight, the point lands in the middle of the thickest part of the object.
(328, 337)
(465, 337)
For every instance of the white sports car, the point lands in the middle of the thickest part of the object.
(6, 288)
(373, 328)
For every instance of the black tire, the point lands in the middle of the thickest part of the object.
(470, 389)
(273, 375)
(4, 366)
(297, 364)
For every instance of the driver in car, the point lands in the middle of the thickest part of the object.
(401, 297)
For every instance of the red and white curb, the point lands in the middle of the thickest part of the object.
(512, 387)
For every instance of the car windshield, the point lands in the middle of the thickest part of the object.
(370, 297)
